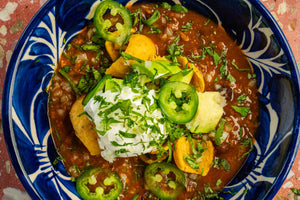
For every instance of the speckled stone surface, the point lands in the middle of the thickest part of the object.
(16, 14)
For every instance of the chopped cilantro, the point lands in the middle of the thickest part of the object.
(219, 132)
(96, 39)
(131, 79)
(170, 151)
(127, 135)
(219, 182)
(71, 58)
(251, 76)
(154, 17)
(90, 47)
(56, 133)
(89, 80)
(167, 17)
(69, 47)
(166, 5)
(217, 58)
(243, 110)
(127, 56)
(251, 148)
(66, 69)
(116, 144)
(245, 142)
(242, 98)
(154, 29)
(175, 50)
(76, 169)
(237, 67)
(208, 50)
(135, 15)
(209, 193)
(161, 151)
(221, 163)
(191, 162)
(231, 78)
(179, 8)
(207, 22)
(105, 123)
(223, 70)
(120, 151)
(194, 58)
(175, 132)
(136, 196)
(188, 26)
(57, 160)
(70, 81)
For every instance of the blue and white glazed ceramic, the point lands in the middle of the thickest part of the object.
(25, 120)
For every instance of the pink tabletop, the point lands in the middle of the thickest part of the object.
(16, 14)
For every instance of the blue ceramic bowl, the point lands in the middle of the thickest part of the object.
(25, 120)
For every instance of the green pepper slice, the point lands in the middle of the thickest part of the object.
(178, 101)
(89, 187)
(164, 180)
(103, 25)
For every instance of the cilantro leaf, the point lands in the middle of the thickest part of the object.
(230, 78)
(225, 164)
(127, 135)
(154, 17)
(246, 142)
(179, 8)
(175, 50)
(166, 5)
(242, 98)
(192, 163)
(219, 132)
(251, 76)
(243, 110)
(237, 67)
(188, 26)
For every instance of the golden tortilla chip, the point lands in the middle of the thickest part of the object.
(84, 128)
(139, 46)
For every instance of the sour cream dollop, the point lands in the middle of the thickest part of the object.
(129, 122)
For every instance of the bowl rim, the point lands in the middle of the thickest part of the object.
(6, 104)
(296, 77)
(7, 93)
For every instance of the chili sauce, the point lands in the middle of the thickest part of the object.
(223, 65)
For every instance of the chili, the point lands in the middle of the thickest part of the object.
(214, 56)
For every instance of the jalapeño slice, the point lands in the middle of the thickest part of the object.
(104, 26)
(99, 184)
(164, 180)
(178, 101)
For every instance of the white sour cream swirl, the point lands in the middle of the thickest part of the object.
(132, 130)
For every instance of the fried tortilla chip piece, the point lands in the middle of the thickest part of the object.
(197, 78)
(84, 128)
(113, 50)
(183, 150)
(139, 46)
